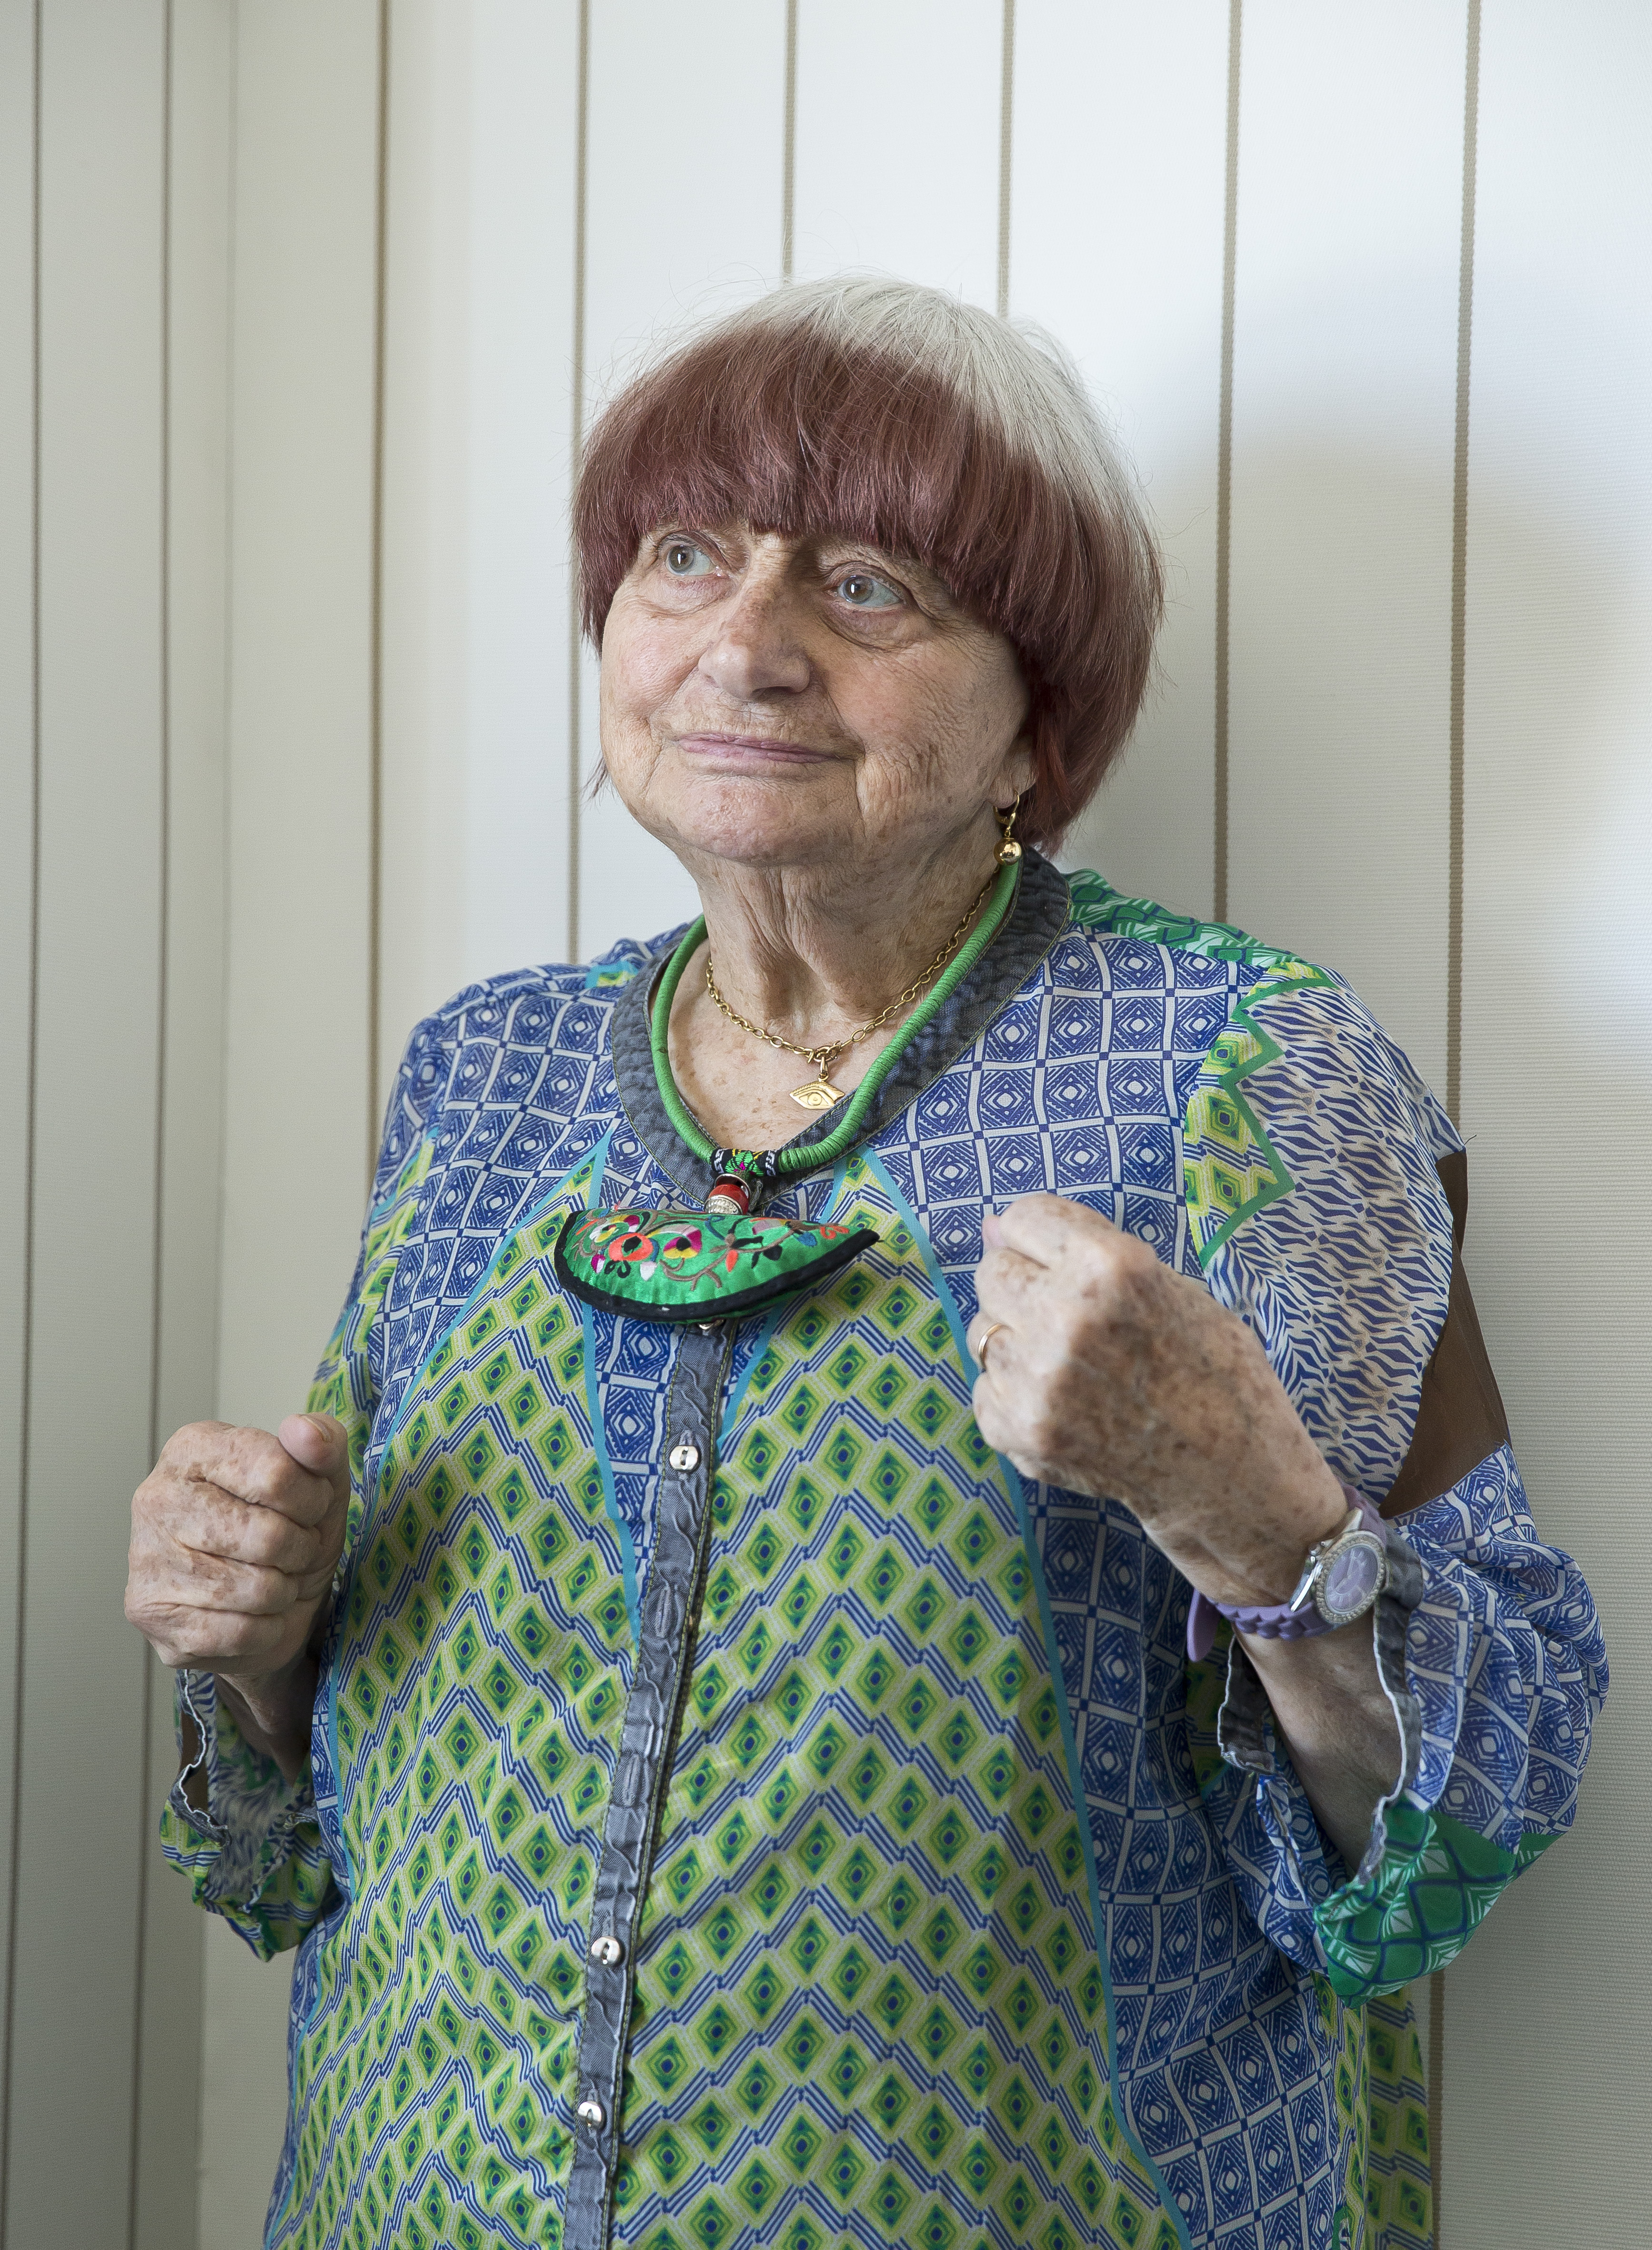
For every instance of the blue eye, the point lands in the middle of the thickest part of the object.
(685, 558)
(863, 590)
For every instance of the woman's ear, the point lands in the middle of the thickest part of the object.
(1016, 775)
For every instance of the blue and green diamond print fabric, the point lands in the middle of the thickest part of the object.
(962, 1921)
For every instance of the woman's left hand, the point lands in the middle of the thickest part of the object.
(1105, 1372)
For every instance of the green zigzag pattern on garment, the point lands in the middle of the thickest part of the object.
(1230, 1168)
(845, 1520)
(463, 1944)
(1437, 1882)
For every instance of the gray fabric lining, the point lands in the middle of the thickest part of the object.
(669, 1610)
(1035, 920)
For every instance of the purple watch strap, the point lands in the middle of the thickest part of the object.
(1280, 1622)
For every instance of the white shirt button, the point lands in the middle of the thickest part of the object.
(608, 1952)
(685, 1456)
(591, 2112)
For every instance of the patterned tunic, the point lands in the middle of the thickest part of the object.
(969, 1914)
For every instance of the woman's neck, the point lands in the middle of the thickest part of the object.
(811, 952)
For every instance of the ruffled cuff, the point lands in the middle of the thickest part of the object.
(1245, 1733)
(245, 1837)
(1488, 1649)
(1279, 1857)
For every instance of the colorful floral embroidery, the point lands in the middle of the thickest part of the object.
(678, 1265)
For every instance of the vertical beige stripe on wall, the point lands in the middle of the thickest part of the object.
(376, 598)
(1107, 97)
(1546, 2035)
(1224, 468)
(1436, 2058)
(1460, 561)
(300, 719)
(101, 249)
(576, 443)
(143, 1866)
(789, 145)
(200, 79)
(1005, 154)
(19, 754)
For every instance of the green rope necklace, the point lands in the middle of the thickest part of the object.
(827, 1150)
(729, 1259)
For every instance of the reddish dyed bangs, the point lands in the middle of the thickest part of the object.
(982, 459)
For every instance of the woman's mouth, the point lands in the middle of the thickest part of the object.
(721, 749)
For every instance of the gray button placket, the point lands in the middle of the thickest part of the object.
(682, 1527)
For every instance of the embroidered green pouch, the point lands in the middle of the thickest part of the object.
(697, 1265)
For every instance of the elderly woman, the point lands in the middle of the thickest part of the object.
(903, 1609)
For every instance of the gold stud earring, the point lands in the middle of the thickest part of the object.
(1008, 848)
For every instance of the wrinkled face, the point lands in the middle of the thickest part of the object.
(785, 701)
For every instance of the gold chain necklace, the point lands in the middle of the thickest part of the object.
(820, 1093)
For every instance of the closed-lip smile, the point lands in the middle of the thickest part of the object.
(707, 743)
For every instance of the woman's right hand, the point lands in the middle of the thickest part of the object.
(235, 1538)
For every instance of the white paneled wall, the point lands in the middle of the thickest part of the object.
(1118, 210)
(114, 119)
(303, 311)
(681, 212)
(1557, 1066)
(897, 148)
(1349, 203)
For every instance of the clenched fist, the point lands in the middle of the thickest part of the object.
(1105, 1372)
(235, 1537)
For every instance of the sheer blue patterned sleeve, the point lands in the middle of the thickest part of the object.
(1337, 1249)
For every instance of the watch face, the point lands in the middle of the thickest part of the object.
(1352, 1580)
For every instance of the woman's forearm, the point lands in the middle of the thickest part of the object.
(1336, 1723)
(274, 1711)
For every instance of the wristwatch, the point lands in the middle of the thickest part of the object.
(1340, 1581)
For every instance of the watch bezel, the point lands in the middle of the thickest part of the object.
(1360, 1535)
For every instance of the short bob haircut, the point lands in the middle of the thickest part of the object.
(923, 426)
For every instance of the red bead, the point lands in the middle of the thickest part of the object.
(728, 1192)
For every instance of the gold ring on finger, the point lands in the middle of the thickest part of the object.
(987, 1335)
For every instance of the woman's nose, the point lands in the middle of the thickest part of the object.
(757, 646)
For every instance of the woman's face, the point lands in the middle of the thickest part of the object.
(785, 701)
